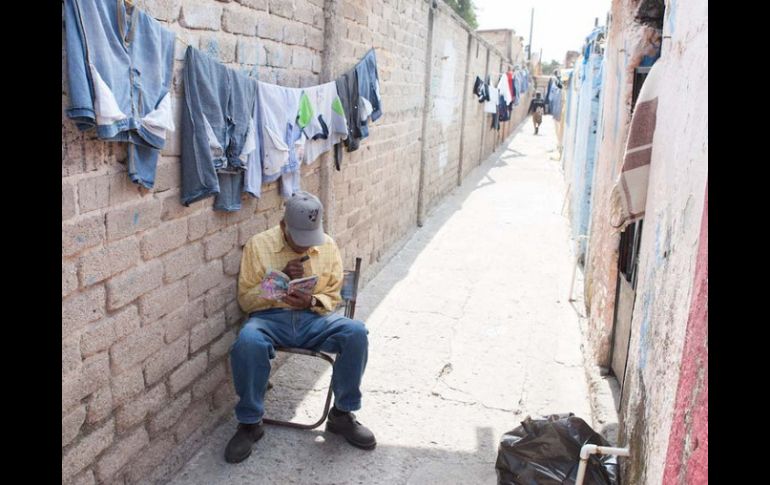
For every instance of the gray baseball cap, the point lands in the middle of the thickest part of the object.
(304, 219)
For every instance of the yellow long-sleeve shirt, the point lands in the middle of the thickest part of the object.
(268, 250)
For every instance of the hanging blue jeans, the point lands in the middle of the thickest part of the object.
(218, 130)
(369, 89)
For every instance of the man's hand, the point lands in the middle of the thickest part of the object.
(298, 299)
(294, 269)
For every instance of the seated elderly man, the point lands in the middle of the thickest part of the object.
(301, 319)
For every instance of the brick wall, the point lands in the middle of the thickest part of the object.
(476, 120)
(445, 108)
(148, 285)
(376, 191)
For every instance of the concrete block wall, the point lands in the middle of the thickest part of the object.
(502, 39)
(445, 122)
(476, 120)
(507, 42)
(376, 190)
(518, 51)
(148, 285)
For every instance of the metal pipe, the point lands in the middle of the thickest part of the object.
(531, 21)
(564, 203)
(484, 116)
(330, 68)
(426, 107)
(466, 100)
(588, 450)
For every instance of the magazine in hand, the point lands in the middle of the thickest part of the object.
(276, 285)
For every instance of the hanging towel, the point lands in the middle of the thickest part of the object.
(328, 125)
(630, 191)
(504, 88)
(491, 105)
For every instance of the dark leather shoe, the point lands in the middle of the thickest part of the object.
(354, 432)
(239, 447)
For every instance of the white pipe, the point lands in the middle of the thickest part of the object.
(588, 450)
(574, 268)
(564, 203)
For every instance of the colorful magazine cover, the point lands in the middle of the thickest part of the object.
(276, 284)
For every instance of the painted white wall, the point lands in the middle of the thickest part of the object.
(679, 171)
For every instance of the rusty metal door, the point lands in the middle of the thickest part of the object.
(625, 296)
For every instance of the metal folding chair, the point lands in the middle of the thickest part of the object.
(348, 305)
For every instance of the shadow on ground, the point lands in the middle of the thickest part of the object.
(287, 456)
(310, 371)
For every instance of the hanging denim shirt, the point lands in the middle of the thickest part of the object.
(240, 140)
(480, 90)
(219, 131)
(370, 104)
(119, 71)
(252, 181)
(524, 80)
(347, 90)
(517, 87)
(554, 103)
(502, 110)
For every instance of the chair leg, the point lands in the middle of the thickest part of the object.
(327, 404)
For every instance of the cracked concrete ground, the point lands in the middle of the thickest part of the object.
(470, 328)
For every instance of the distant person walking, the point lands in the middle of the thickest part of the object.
(537, 108)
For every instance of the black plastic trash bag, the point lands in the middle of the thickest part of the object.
(547, 452)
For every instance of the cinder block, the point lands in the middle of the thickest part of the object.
(132, 284)
(86, 451)
(82, 233)
(202, 15)
(99, 264)
(139, 216)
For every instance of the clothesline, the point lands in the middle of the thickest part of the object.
(176, 34)
(250, 140)
(132, 3)
(180, 39)
(183, 41)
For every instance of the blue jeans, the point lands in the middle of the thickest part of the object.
(251, 353)
(218, 109)
(369, 87)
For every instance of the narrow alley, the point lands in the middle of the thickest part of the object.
(273, 146)
(470, 329)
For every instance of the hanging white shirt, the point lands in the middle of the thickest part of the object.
(494, 98)
(505, 89)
